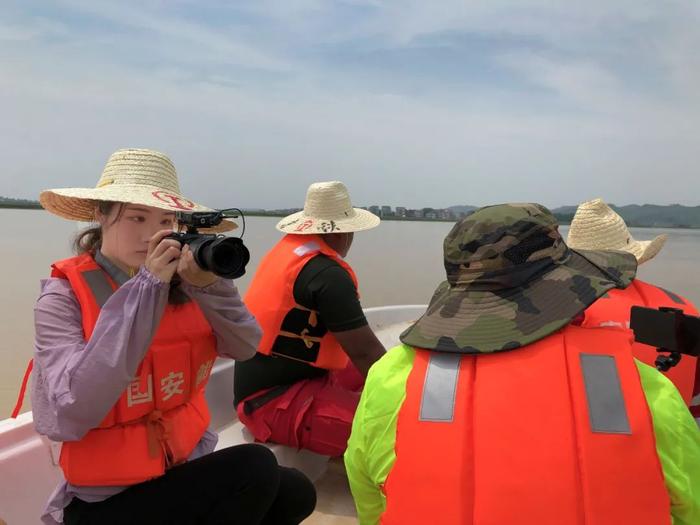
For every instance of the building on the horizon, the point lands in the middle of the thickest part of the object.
(677, 216)
(429, 213)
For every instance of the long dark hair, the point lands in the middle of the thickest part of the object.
(89, 240)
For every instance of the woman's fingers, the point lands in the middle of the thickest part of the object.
(169, 253)
(163, 256)
(157, 238)
(190, 271)
(163, 246)
(186, 259)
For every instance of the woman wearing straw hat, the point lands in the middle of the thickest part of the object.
(126, 335)
(300, 390)
(596, 226)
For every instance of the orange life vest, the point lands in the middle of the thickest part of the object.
(162, 414)
(270, 298)
(558, 432)
(613, 309)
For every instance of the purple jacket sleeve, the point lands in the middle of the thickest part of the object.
(76, 383)
(236, 330)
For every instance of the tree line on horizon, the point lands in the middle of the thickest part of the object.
(645, 215)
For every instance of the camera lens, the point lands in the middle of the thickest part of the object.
(224, 256)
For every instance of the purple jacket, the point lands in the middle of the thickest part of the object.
(74, 386)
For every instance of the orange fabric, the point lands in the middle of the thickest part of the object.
(72, 270)
(614, 310)
(161, 416)
(270, 298)
(520, 448)
(22, 390)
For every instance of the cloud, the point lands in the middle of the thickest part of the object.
(38, 28)
(417, 104)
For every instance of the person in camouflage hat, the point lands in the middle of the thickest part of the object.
(511, 280)
(499, 408)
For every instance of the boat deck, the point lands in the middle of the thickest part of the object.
(334, 505)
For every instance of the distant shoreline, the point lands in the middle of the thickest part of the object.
(562, 222)
(36, 206)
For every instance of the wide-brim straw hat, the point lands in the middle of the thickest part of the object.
(328, 209)
(596, 226)
(133, 176)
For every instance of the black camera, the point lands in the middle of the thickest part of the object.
(216, 253)
(670, 330)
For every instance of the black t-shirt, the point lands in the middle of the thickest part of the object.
(322, 285)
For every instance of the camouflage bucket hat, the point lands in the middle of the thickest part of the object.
(511, 280)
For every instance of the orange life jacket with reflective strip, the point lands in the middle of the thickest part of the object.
(613, 309)
(558, 432)
(162, 415)
(270, 298)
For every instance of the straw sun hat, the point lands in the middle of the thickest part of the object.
(134, 176)
(328, 210)
(596, 226)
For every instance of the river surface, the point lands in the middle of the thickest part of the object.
(396, 263)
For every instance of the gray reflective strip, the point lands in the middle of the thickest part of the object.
(606, 405)
(311, 246)
(440, 387)
(99, 285)
(676, 299)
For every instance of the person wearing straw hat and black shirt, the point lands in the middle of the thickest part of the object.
(127, 332)
(596, 226)
(499, 409)
(302, 387)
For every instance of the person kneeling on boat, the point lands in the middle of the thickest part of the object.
(127, 332)
(596, 226)
(497, 408)
(300, 389)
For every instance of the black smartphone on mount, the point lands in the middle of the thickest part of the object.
(670, 330)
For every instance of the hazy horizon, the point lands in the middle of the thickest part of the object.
(300, 206)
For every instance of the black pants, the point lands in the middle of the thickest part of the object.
(240, 485)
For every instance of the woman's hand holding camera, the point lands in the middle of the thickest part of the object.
(190, 271)
(167, 256)
(163, 256)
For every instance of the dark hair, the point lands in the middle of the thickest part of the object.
(89, 240)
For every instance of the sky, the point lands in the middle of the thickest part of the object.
(410, 103)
